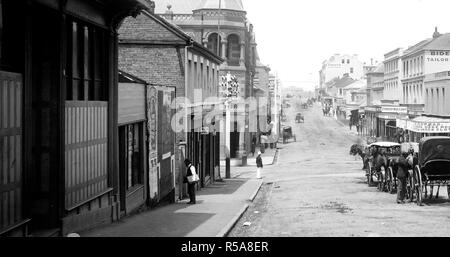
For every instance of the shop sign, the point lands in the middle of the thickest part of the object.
(428, 127)
(372, 109)
(388, 116)
(394, 109)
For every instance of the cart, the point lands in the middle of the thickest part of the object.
(287, 134)
(433, 168)
(391, 150)
(391, 178)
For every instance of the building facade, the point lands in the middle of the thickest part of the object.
(161, 54)
(59, 86)
(338, 65)
(393, 89)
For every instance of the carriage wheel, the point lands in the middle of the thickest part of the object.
(410, 186)
(369, 174)
(390, 181)
(418, 186)
(381, 179)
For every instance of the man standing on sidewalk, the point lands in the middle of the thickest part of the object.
(259, 165)
(191, 179)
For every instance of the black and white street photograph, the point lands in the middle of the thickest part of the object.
(233, 119)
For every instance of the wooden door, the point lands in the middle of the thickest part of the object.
(10, 149)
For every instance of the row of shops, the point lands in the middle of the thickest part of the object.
(86, 134)
(400, 124)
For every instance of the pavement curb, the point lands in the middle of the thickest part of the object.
(252, 197)
(226, 230)
(275, 157)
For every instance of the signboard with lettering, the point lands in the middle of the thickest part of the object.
(428, 127)
(436, 61)
(394, 109)
(372, 109)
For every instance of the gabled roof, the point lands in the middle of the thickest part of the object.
(441, 42)
(379, 69)
(343, 82)
(175, 30)
(358, 84)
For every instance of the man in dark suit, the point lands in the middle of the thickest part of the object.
(402, 176)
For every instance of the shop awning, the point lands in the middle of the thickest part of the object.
(424, 124)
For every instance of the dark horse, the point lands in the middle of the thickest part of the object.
(358, 150)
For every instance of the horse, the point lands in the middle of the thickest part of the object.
(358, 150)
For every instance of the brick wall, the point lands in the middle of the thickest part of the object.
(145, 28)
(155, 64)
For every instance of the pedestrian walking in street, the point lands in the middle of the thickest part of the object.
(402, 175)
(191, 179)
(259, 165)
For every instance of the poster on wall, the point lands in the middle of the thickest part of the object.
(152, 120)
(152, 132)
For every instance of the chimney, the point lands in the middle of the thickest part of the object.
(436, 33)
(169, 12)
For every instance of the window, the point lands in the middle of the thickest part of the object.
(351, 70)
(233, 50)
(213, 44)
(443, 101)
(343, 61)
(86, 63)
(348, 61)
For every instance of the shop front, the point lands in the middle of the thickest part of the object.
(424, 126)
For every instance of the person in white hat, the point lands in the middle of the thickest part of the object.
(259, 165)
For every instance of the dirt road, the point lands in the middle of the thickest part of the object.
(318, 189)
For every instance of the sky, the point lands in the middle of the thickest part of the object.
(294, 37)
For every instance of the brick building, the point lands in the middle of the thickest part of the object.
(161, 54)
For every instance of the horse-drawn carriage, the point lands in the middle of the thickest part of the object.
(380, 166)
(391, 176)
(287, 134)
(433, 168)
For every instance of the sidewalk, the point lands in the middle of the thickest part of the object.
(219, 207)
